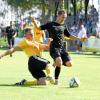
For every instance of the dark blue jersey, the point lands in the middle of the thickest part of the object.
(10, 32)
(56, 32)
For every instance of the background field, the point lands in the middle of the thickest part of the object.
(85, 67)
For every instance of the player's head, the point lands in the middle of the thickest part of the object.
(61, 15)
(81, 24)
(29, 33)
(12, 24)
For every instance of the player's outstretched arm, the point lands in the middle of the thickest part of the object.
(72, 37)
(84, 39)
(46, 46)
(35, 24)
(10, 51)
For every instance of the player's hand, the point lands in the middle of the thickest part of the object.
(83, 39)
(50, 39)
(32, 19)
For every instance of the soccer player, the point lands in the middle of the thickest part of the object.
(39, 35)
(57, 30)
(36, 64)
(11, 34)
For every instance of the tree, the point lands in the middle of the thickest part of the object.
(86, 6)
(23, 4)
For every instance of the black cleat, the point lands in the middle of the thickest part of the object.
(21, 83)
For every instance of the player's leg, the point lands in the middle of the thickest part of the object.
(35, 69)
(30, 83)
(12, 41)
(9, 44)
(55, 54)
(58, 62)
(36, 66)
(45, 65)
(24, 82)
(50, 73)
(66, 59)
(8, 40)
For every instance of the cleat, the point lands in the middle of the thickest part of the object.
(21, 83)
(50, 79)
(56, 82)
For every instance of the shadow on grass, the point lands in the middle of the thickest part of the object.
(86, 53)
(6, 48)
(9, 85)
(30, 86)
(69, 87)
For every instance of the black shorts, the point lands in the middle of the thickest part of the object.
(36, 65)
(11, 41)
(60, 52)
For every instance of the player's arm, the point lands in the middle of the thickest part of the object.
(38, 46)
(41, 27)
(15, 34)
(10, 51)
(46, 46)
(72, 37)
(67, 38)
(35, 24)
(33, 44)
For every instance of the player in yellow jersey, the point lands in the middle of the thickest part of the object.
(36, 64)
(39, 35)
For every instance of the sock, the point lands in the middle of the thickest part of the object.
(30, 83)
(49, 70)
(57, 72)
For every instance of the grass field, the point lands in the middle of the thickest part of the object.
(85, 67)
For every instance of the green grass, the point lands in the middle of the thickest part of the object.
(3, 41)
(85, 67)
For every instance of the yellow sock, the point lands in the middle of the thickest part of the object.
(30, 83)
(49, 70)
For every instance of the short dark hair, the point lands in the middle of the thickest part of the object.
(60, 12)
(27, 30)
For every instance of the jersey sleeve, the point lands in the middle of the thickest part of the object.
(45, 26)
(66, 32)
(21, 44)
(7, 29)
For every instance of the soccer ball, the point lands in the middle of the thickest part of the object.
(74, 82)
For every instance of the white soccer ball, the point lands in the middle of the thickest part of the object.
(74, 82)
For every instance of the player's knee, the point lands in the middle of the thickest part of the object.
(68, 64)
(42, 81)
(58, 62)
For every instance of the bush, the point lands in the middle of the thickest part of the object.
(3, 42)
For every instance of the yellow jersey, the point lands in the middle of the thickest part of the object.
(38, 35)
(29, 49)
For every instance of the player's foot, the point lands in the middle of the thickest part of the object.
(50, 79)
(21, 83)
(56, 82)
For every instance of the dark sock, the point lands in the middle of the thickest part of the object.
(57, 72)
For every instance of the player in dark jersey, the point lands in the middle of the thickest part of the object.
(11, 34)
(57, 30)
